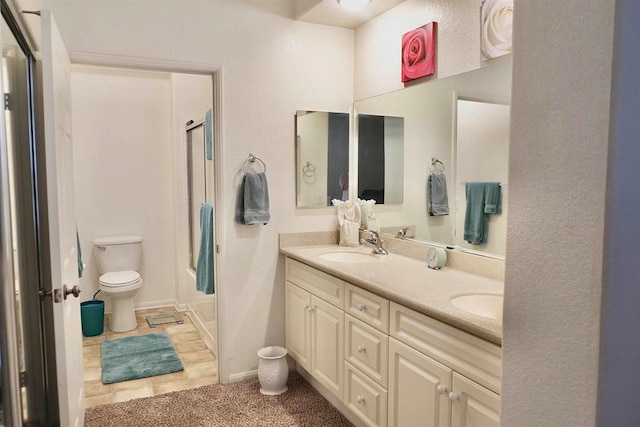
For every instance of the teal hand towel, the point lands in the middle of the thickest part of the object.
(208, 133)
(474, 218)
(437, 199)
(204, 266)
(492, 203)
(256, 199)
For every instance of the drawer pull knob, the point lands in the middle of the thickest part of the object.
(361, 349)
(362, 307)
(454, 397)
(360, 399)
(441, 389)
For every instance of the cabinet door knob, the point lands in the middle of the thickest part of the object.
(360, 399)
(361, 349)
(306, 307)
(362, 307)
(454, 397)
(441, 389)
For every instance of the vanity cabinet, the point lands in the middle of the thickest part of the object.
(390, 365)
(314, 327)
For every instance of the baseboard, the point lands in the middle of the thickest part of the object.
(209, 341)
(156, 304)
(335, 401)
(243, 376)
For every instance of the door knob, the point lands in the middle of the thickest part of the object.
(454, 397)
(441, 389)
(75, 291)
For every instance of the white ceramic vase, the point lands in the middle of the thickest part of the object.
(273, 371)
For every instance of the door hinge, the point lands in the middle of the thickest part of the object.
(7, 101)
(217, 248)
(23, 379)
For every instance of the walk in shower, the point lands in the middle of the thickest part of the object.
(200, 185)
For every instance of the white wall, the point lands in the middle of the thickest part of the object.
(378, 43)
(122, 129)
(273, 66)
(557, 177)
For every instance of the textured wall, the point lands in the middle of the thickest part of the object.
(378, 42)
(273, 66)
(557, 175)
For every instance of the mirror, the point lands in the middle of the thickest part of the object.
(469, 151)
(380, 158)
(322, 158)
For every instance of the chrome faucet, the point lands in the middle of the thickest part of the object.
(375, 241)
(402, 233)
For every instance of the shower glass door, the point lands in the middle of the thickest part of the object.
(23, 392)
(200, 190)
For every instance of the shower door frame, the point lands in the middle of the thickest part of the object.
(217, 74)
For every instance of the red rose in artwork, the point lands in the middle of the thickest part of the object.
(418, 52)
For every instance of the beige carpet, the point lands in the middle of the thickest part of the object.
(238, 404)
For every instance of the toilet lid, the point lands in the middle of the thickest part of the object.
(119, 278)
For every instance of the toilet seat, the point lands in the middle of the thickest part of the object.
(117, 279)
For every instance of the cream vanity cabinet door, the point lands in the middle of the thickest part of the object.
(418, 389)
(298, 324)
(473, 405)
(327, 344)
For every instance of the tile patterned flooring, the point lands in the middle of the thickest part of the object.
(199, 362)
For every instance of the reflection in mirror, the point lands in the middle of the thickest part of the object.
(429, 110)
(380, 158)
(322, 158)
(482, 154)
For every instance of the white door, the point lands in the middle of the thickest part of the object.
(473, 405)
(327, 344)
(298, 324)
(418, 388)
(62, 223)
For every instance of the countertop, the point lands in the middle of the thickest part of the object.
(411, 283)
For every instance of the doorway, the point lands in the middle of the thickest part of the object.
(134, 174)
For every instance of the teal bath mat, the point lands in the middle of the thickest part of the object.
(143, 356)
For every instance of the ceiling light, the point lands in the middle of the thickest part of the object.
(353, 4)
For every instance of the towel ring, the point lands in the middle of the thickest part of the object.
(309, 170)
(252, 159)
(435, 165)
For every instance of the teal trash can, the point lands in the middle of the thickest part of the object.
(92, 314)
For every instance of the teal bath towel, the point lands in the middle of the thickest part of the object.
(204, 266)
(80, 263)
(482, 198)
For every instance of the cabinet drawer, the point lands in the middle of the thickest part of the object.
(471, 356)
(370, 308)
(325, 286)
(364, 397)
(367, 349)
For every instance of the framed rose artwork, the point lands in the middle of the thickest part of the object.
(419, 52)
(497, 26)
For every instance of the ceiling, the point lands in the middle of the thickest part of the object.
(329, 12)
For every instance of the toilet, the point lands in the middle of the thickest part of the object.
(119, 259)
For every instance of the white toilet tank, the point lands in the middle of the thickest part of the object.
(118, 253)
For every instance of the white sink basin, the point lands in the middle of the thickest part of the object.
(485, 305)
(352, 257)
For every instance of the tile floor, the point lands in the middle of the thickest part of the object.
(199, 362)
